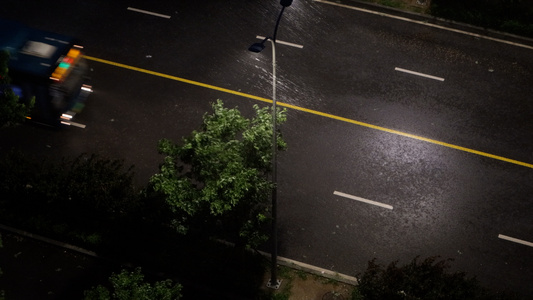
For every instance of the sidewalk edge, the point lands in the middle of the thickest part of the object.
(48, 240)
(287, 262)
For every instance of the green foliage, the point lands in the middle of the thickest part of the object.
(356, 294)
(427, 279)
(391, 3)
(131, 286)
(219, 173)
(302, 275)
(77, 198)
(281, 296)
(89, 182)
(513, 16)
(100, 184)
(11, 110)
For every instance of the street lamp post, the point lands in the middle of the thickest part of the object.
(258, 47)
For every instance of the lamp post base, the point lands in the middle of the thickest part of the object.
(276, 284)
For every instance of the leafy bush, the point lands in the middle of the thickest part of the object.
(130, 285)
(427, 279)
(11, 110)
(513, 16)
(80, 199)
(91, 183)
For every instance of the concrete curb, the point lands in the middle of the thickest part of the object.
(290, 263)
(287, 262)
(49, 241)
(281, 260)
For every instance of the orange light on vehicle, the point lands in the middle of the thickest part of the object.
(68, 60)
(73, 53)
(60, 71)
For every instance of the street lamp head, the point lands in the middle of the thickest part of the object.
(257, 47)
(286, 3)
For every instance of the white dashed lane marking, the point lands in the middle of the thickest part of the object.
(515, 240)
(362, 200)
(148, 12)
(419, 74)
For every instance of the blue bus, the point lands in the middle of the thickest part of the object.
(47, 67)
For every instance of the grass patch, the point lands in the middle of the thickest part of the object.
(392, 3)
(503, 15)
(302, 275)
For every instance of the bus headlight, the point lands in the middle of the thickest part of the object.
(66, 116)
(87, 88)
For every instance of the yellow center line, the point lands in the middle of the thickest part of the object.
(224, 90)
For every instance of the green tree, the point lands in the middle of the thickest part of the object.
(86, 199)
(12, 111)
(131, 286)
(427, 279)
(217, 177)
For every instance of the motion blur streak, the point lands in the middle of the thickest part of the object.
(416, 137)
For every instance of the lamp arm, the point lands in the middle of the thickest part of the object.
(277, 23)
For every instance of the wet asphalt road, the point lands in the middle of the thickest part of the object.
(445, 201)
